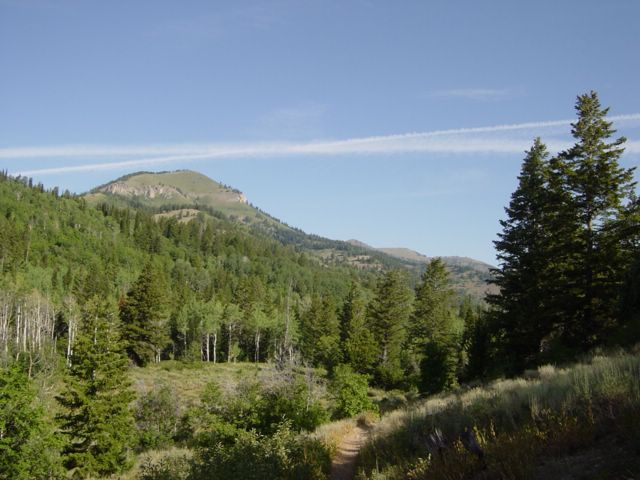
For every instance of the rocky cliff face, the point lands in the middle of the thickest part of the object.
(165, 192)
(146, 191)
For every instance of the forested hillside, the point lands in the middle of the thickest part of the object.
(184, 194)
(58, 252)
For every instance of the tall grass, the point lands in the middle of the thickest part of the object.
(518, 423)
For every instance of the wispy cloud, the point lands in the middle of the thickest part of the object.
(479, 94)
(479, 140)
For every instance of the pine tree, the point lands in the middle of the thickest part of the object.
(435, 330)
(434, 309)
(320, 332)
(389, 316)
(601, 190)
(477, 341)
(358, 344)
(520, 314)
(144, 315)
(96, 418)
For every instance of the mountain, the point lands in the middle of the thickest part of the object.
(175, 191)
(185, 194)
(468, 275)
(405, 254)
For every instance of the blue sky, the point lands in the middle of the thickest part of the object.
(396, 123)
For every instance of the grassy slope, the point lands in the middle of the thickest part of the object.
(195, 190)
(579, 422)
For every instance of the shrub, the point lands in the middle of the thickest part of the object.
(156, 417)
(291, 403)
(234, 453)
(170, 466)
(257, 408)
(350, 391)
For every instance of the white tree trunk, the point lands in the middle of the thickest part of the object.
(257, 337)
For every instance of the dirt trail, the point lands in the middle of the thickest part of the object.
(343, 466)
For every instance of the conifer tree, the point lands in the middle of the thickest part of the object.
(389, 316)
(601, 190)
(144, 315)
(358, 344)
(320, 332)
(435, 330)
(96, 419)
(521, 317)
(434, 310)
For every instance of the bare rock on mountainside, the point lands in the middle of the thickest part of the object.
(182, 187)
(146, 191)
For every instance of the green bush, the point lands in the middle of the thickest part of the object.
(293, 404)
(233, 453)
(350, 391)
(156, 417)
(253, 407)
(171, 466)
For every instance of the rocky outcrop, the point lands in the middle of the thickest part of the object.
(146, 191)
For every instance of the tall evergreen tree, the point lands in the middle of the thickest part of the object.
(389, 316)
(521, 317)
(320, 332)
(96, 419)
(358, 344)
(434, 309)
(601, 190)
(435, 331)
(144, 315)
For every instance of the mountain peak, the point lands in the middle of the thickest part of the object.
(181, 187)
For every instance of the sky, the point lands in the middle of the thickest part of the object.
(400, 124)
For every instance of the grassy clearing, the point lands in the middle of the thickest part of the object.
(188, 380)
(525, 426)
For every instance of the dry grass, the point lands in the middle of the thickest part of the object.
(188, 380)
(550, 413)
(331, 434)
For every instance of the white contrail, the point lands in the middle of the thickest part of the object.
(459, 140)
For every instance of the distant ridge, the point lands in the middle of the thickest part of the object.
(468, 274)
